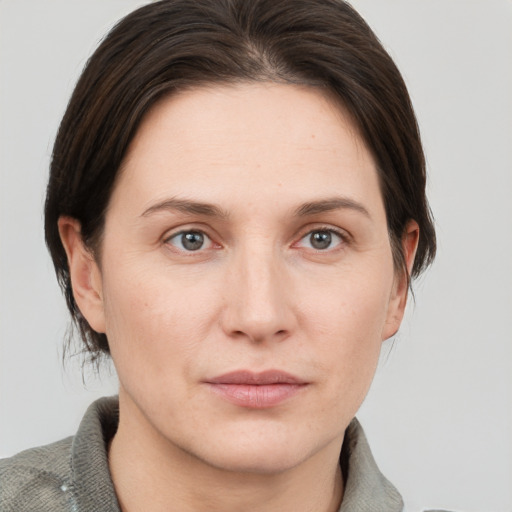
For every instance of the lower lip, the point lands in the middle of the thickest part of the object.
(257, 397)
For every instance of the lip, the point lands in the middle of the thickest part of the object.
(256, 390)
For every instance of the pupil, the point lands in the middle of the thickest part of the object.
(321, 239)
(192, 240)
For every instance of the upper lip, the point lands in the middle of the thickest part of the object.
(257, 378)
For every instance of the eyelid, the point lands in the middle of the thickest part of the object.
(344, 236)
(180, 228)
(169, 235)
(341, 233)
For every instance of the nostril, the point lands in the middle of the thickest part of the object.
(259, 336)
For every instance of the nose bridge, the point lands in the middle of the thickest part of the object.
(258, 307)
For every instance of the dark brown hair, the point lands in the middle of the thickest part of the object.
(170, 45)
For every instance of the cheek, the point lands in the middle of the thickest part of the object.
(154, 324)
(350, 305)
(346, 317)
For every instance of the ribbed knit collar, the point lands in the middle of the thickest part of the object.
(366, 488)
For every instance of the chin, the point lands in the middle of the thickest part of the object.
(256, 460)
(257, 450)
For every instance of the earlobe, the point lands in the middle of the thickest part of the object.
(398, 299)
(84, 274)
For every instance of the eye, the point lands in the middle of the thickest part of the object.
(190, 241)
(321, 240)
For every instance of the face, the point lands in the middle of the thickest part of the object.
(246, 279)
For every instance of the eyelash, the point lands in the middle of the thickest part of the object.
(168, 239)
(342, 236)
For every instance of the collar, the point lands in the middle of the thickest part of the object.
(366, 488)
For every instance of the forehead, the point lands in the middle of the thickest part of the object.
(248, 138)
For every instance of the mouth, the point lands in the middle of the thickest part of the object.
(256, 390)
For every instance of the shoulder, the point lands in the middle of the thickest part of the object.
(366, 488)
(68, 475)
(37, 479)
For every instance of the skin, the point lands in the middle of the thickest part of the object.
(278, 162)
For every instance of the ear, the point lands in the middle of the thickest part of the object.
(398, 298)
(84, 273)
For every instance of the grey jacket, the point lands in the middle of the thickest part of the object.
(73, 475)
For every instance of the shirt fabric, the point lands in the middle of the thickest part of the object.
(72, 475)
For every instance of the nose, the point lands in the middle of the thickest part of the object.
(258, 305)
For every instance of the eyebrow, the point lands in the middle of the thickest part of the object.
(186, 206)
(211, 210)
(330, 204)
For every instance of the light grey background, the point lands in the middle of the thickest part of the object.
(439, 416)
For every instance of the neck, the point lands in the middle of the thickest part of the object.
(151, 473)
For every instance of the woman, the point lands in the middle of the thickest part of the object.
(235, 209)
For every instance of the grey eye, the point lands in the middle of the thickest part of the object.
(192, 241)
(189, 240)
(320, 239)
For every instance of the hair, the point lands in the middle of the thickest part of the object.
(172, 45)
